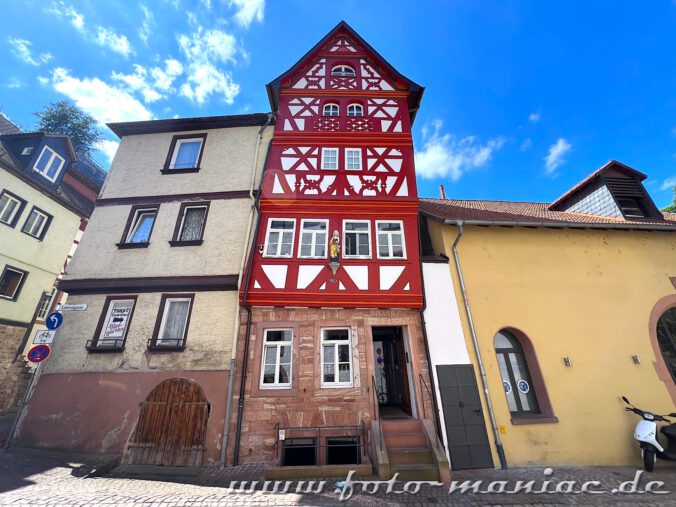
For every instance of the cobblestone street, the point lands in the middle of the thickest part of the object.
(30, 477)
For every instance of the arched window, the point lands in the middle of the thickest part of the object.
(355, 110)
(331, 110)
(666, 338)
(342, 71)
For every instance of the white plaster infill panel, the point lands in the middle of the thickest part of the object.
(389, 275)
(307, 274)
(359, 275)
(276, 273)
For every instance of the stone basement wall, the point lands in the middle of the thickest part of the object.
(306, 403)
(12, 379)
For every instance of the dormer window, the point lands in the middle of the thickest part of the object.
(342, 71)
(631, 208)
(185, 154)
(49, 164)
(355, 110)
(331, 110)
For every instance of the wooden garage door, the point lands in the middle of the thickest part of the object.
(172, 426)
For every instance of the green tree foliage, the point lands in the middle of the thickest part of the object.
(672, 207)
(64, 117)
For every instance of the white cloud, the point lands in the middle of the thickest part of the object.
(443, 155)
(668, 184)
(526, 145)
(144, 29)
(108, 148)
(165, 78)
(151, 83)
(205, 50)
(534, 117)
(15, 83)
(104, 102)
(109, 39)
(21, 48)
(67, 12)
(556, 155)
(247, 11)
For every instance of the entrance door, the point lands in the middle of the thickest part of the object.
(391, 368)
(172, 426)
(465, 425)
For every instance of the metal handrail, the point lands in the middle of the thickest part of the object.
(377, 411)
(422, 397)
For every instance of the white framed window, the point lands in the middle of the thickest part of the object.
(10, 207)
(186, 153)
(192, 223)
(36, 224)
(331, 109)
(342, 71)
(174, 325)
(330, 158)
(312, 244)
(45, 303)
(357, 239)
(11, 281)
(141, 225)
(49, 164)
(276, 370)
(336, 357)
(390, 235)
(116, 322)
(355, 110)
(353, 159)
(279, 238)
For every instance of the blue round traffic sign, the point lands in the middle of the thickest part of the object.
(53, 320)
(38, 353)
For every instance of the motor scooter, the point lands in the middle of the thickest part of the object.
(646, 435)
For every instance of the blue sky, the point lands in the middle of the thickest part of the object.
(523, 99)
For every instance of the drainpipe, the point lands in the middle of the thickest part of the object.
(247, 307)
(233, 361)
(489, 404)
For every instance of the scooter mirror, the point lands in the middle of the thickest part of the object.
(626, 400)
(673, 414)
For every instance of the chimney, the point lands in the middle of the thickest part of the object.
(442, 192)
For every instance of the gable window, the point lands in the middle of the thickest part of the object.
(631, 208)
(666, 338)
(330, 158)
(49, 164)
(185, 154)
(353, 159)
(279, 240)
(45, 304)
(331, 110)
(342, 71)
(11, 282)
(390, 240)
(355, 110)
(11, 206)
(336, 358)
(313, 239)
(172, 323)
(111, 331)
(277, 355)
(139, 227)
(189, 228)
(37, 223)
(357, 239)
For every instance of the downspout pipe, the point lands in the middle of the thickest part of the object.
(477, 351)
(247, 307)
(233, 360)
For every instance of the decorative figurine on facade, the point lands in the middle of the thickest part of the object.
(334, 252)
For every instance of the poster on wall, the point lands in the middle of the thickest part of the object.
(117, 321)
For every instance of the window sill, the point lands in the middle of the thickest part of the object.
(8, 298)
(95, 349)
(195, 242)
(166, 348)
(31, 235)
(534, 419)
(167, 170)
(127, 246)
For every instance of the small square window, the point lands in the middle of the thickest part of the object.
(330, 158)
(139, 227)
(390, 237)
(353, 159)
(331, 110)
(279, 238)
(342, 451)
(355, 110)
(37, 223)
(185, 154)
(313, 239)
(299, 452)
(11, 206)
(357, 239)
(49, 164)
(11, 282)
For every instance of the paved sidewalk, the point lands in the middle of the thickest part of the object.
(32, 477)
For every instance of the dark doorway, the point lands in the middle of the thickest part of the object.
(391, 372)
(465, 425)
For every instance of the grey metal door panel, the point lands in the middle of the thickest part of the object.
(463, 417)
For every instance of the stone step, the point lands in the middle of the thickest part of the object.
(399, 426)
(405, 440)
(416, 472)
(410, 455)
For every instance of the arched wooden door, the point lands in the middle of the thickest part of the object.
(172, 426)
